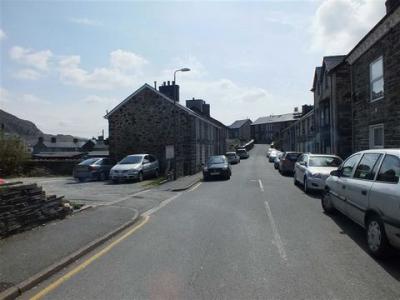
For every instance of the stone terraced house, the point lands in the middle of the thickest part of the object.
(145, 123)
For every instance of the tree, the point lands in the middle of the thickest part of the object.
(13, 153)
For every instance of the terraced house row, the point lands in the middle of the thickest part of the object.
(356, 96)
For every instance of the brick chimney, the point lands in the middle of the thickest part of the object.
(170, 90)
(391, 5)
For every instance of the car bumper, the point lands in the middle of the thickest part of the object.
(124, 176)
(316, 183)
(216, 173)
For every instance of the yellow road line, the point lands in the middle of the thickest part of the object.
(87, 262)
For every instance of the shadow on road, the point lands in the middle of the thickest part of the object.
(357, 234)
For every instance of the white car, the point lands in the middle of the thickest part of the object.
(311, 170)
(135, 167)
(366, 188)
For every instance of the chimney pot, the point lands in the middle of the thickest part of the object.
(169, 83)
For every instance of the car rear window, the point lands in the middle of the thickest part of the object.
(292, 156)
(241, 151)
(89, 161)
(230, 155)
(324, 161)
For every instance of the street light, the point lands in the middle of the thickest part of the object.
(175, 138)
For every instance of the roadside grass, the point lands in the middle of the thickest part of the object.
(155, 182)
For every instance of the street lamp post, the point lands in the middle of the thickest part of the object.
(175, 136)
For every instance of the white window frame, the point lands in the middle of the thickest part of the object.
(372, 136)
(371, 81)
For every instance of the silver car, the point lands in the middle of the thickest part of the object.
(311, 170)
(135, 167)
(233, 157)
(366, 188)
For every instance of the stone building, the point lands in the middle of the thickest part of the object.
(148, 121)
(241, 130)
(375, 64)
(265, 129)
(332, 106)
(61, 147)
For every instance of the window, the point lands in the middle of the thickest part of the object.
(366, 169)
(390, 169)
(376, 136)
(349, 165)
(376, 79)
(324, 161)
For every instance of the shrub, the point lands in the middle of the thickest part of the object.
(13, 153)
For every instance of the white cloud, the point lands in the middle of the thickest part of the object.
(339, 24)
(126, 60)
(28, 74)
(85, 21)
(94, 99)
(31, 58)
(2, 35)
(124, 69)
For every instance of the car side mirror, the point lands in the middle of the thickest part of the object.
(303, 163)
(335, 173)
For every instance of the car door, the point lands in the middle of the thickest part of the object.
(385, 195)
(358, 187)
(338, 190)
(299, 168)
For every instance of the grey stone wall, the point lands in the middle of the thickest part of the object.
(386, 110)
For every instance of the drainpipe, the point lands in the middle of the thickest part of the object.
(352, 108)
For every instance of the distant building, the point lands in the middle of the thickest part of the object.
(265, 129)
(56, 147)
(147, 121)
(375, 65)
(241, 130)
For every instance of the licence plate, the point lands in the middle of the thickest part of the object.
(214, 173)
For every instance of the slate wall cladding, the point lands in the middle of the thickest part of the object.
(145, 124)
(386, 110)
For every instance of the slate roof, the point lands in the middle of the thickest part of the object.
(332, 62)
(61, 154)
(178, 105)
(238, 123)
(317, 76)
(277, 118)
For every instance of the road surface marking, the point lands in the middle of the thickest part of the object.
(162, 204)
(261, 185)
(195, 187)
(277, 237)
(87, 262)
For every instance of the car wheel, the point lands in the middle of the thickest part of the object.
(205, 178)
(140, 177)
(305, 185)
(81, 179)
(326, 204)
(156, 174)
(115, 181)
(378, 244)
(101, 177)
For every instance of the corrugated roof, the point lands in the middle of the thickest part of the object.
(277, 118)
(238, 123)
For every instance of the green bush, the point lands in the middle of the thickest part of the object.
(13, 153)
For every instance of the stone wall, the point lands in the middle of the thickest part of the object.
(386, 110)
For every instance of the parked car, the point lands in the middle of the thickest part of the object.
(272, 155)
(135, 167)
(217, 166)
(366, 189)
(232, 157)
(277, 160)
(287, 161)
(242, 153)
(311, 170)
(269, 150)
(93, 169)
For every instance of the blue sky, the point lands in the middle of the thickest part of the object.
(63, 64)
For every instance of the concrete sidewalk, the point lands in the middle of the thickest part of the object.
(26, 255)
(182, 183)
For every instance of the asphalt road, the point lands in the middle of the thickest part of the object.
(256, 236)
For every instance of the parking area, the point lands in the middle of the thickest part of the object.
(91, 192)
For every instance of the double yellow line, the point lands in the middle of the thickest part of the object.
(87, 262)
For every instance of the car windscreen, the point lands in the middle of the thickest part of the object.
(230, 155)
(241, 151)
(216, 160)
(133, 159)
(324, 161)
(89, 161)
(292, 156)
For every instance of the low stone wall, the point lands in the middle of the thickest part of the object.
(50, 167)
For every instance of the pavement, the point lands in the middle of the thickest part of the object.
(255, 236)
(30, 256)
